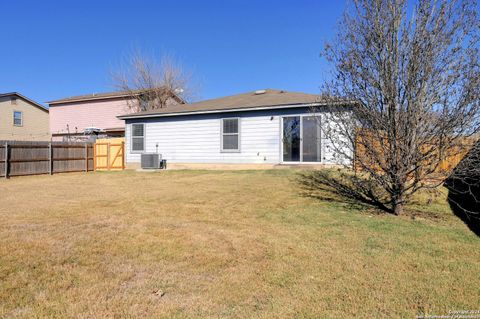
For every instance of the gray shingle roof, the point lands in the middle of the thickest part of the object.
(87, 97)
(99, 96)
(270, 98)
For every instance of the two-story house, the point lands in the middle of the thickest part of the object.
(22, 119)
(77, 117)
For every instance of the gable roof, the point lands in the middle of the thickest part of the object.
(23, 97)
(101, 96)
(262, 99)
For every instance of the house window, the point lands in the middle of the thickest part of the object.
(17, 118)
(138, 137)
(230, 135)
(13, 100)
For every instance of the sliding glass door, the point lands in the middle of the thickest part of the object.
(311, 147)
(301, 139)
(291, 139)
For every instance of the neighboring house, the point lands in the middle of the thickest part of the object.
(22, 119)
(261, 127)
(74, 118)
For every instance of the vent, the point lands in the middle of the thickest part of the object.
(151, 160)
(258, 92)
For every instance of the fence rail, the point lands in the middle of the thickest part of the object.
(19, 158)
(367, 143)
(109, 154)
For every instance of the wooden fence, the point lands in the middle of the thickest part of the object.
(109, 154)
(364, 141)
(18, 158)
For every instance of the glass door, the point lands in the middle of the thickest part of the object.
(311, 147)
(291, 139)
(301, 139)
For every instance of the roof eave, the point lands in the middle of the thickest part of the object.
(43, 108)
(93, 98)
(96, 98)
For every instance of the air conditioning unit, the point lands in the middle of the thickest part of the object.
(151, 160)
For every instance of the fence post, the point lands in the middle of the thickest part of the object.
(50, 159)
(108, 156)
(94, 149)
(123, 155)
(6, 160)
(86, 158)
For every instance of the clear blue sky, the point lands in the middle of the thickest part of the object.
(55, 49)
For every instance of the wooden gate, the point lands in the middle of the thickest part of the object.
(109, 154)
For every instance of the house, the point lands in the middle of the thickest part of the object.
(22, 119)
(261, 127)
(75, 118)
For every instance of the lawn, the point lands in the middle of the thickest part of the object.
(239, 244)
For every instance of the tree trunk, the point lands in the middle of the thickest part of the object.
(398, 208)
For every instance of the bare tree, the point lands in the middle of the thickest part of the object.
(416, 81)
(152, 84)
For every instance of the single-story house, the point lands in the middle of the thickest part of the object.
(261, 127)
(76, 117)
(22, 119)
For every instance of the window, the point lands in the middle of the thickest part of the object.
(138, 137)
(17, 118)
(230, 135)
(13, 100)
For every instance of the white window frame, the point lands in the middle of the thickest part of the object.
(238, 134)
(132, 137)
(322, 144)
(21, 118)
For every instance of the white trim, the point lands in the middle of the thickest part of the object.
(303, 163)
(281, 138)
(144, 138)
(21, 118)
(262, 108)
(238, 150)
(300, 162)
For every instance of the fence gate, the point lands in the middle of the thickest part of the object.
(109, 154)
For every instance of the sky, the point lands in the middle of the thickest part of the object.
(55, 49)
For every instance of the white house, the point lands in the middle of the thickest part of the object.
(261, 127)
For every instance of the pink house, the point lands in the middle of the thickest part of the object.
(74, 117)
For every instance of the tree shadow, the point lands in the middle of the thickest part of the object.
(464, 190)
(466, 209)
(328, 185)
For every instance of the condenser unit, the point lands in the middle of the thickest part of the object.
(151, 160)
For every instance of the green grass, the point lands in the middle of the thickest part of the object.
(237, 244)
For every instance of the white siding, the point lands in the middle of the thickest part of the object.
(330, 155)
(196, 139)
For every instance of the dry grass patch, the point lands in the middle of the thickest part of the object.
(222, 244)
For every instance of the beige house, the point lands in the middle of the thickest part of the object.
(22, 119)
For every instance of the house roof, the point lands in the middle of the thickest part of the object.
(23, 97)
(262, 99)
(100, 96)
